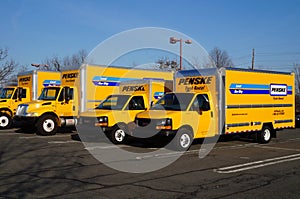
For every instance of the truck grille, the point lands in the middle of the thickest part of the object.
(22, 110)
(143, 122)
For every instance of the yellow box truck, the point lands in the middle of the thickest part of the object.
(115, 114)
(29, 87)
(83, 89)
(212, 102)
(56, 106)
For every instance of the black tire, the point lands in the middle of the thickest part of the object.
(47, 125)
(182, 140)
(118, 135)
(265, 135)
(5, 121)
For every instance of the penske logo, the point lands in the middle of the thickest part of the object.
(24, 79)
(278, 89)
(70, 75)
(195, 80)
(133, 88)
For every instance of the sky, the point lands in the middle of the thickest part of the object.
(34, 30)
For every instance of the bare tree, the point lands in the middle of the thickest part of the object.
(74, 61)
(68, 62)
(297, 77)
(7, 67)
(221, 58)
(166, 65)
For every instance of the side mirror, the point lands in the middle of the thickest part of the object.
(151, 103)
(20, 93)
(205, 106)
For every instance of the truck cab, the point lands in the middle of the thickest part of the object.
(54, 108)
(10, 98)
(179, 115)
(115, 114)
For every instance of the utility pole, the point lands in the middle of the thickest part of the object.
(252, 59)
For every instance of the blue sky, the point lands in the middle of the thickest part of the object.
(34, 30)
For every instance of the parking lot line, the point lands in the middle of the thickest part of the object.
(63, 142)
(257, 164)
(277, 148)
(43, 137)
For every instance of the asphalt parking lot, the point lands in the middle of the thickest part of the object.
(61, 166)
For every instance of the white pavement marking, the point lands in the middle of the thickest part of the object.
(277, 148)
(167, 155)
(257, 164)
(8, 133)
(43, 137)
(63, 142)
(106, 147)
(8, 130)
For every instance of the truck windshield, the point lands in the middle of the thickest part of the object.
(173, 101)
(7, 93)
(113, 102)
(49, 94)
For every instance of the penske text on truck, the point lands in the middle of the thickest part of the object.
(30, 85)
(211, 102)
(83, 89)
(115, 114)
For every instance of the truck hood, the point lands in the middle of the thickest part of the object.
(37, 104)
(158, 114)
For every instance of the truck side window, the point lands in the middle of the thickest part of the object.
(200, 103)
(71, 93)
(23, 93)
(136, 103)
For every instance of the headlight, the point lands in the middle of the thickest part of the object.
(102, 121)
(22, 110)
(165, 124)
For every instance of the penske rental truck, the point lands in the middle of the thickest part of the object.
(81, 90)
(211, 102)
(115, 115)
(30, 85)
(56, 106)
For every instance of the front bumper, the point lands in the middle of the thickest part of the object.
(144, 132)
(90, 121)
(25, 121)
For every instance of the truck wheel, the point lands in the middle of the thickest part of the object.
(183, 139)
(5, 121)
(47, 125)
(265, 135)
(118, 135)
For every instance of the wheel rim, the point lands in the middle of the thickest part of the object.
(267, 134)
(48, 125)
(119, 135)
(4, 121)
(185, 140)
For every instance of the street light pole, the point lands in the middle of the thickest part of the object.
(174, 40)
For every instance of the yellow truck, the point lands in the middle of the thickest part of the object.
(56, 106)
(115, 115)
(212, 102)
(29, 87)
(81, 90)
